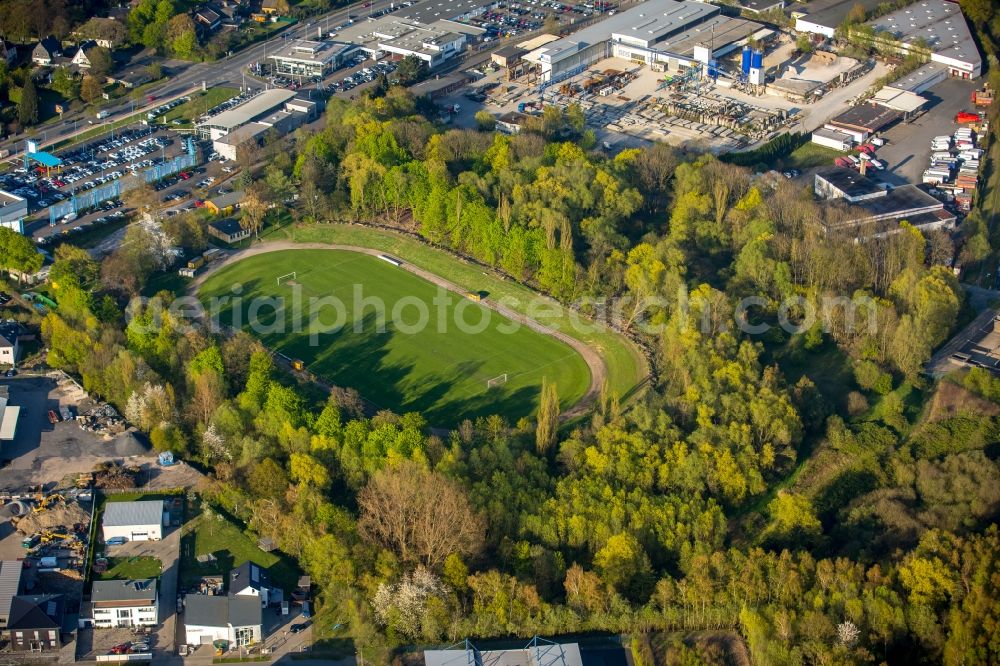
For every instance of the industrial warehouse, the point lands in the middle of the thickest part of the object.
(665, 34)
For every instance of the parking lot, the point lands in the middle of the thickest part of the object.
(125, 152)
(908, 151)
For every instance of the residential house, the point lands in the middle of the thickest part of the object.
(81, 59)
(270, 7)
(235, 618)
(250, 580)
(9, 347)
(124, 603)
(134, 521)
(35, 622)
(225, 204)
(230, 231)
(131, 78)
(8, 52)
(208, 18)
(46, 51)
(10, 581)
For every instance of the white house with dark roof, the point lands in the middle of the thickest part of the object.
(82, 58)
(234, 618)
(46, 51)
(134, 521)
(124, 603)
(250, 580)
(9, 347)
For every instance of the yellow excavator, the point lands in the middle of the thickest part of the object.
(48, 500)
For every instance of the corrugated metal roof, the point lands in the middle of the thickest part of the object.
(8, 422)
(10, 581)
(122, 514)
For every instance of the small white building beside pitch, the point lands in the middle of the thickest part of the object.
(136, 521)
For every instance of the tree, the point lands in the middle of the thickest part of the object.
(268, 480)
(181, 36)
(104, 29)
(253, 210)
(793, 519)
(18, 253)
(422, 516)
(27, 108)
(485, 120)
(101, 63)
(308, 471)
(64, 83)
(91, 89)
(413, 605)
(548, 417)
(857, 15)
(804, 44)
(978, 11)
(622, 561)
(412, 70)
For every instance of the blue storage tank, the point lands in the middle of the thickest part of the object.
(757, 60)
(745, 62)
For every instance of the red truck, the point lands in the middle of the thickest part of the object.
(964, 117)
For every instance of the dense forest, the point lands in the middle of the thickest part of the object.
(806, 487)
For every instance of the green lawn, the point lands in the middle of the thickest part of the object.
(809, 155)
(131, 568)
(199, 104)
(626, 367)
(211, 533)
(435, 368)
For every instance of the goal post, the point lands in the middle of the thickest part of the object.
(286, 277)
(499, 380)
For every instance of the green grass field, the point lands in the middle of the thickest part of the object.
(199, 104)
(212, 534)
(131, 568)
(626, 366)
(436, 369)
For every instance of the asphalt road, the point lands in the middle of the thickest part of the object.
(228, 70)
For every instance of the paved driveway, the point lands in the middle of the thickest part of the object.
(168, 551)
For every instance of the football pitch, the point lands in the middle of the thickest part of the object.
(432, 352)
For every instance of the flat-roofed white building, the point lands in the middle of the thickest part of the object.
(430, 44)
(832, 138)
(305, 57)
(257, 106)
(13, 210)
(124, 603)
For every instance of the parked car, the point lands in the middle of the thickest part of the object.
(117, 541)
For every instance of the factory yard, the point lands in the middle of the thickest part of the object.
(908, 144)
(644, 107)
